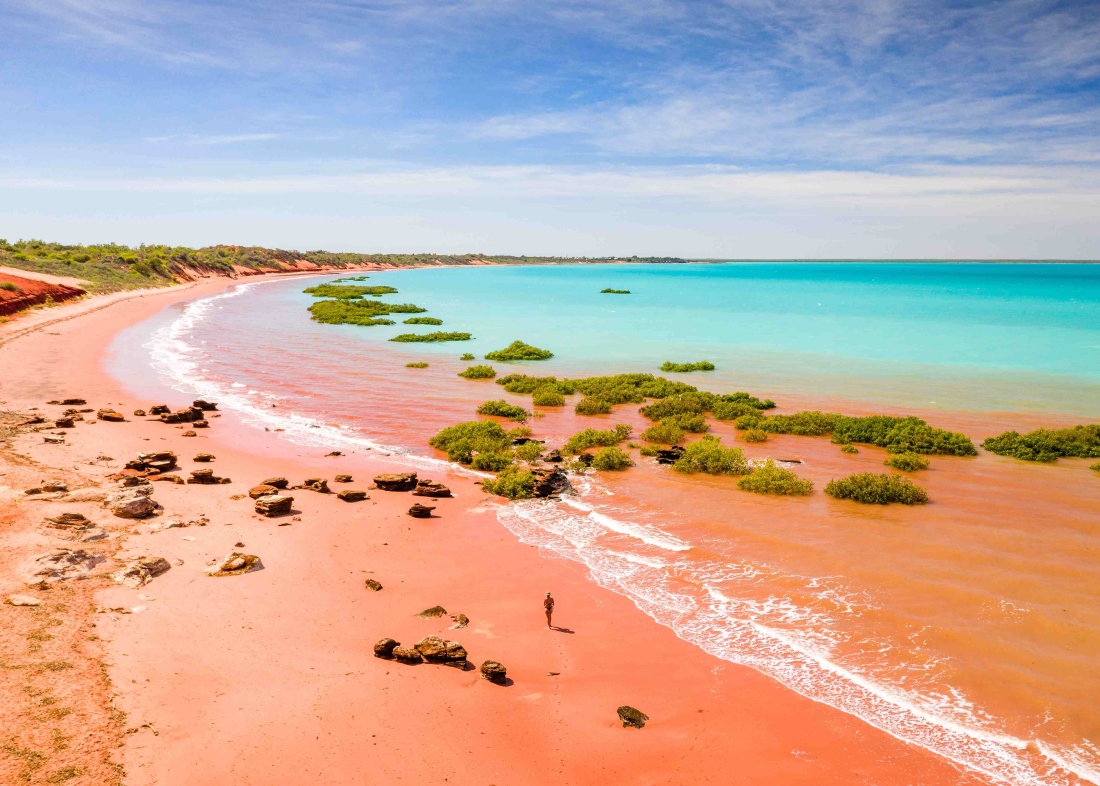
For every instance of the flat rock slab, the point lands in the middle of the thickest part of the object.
(400, 481)
(235, 564)
(274, 505)
(352, 496)
(23, 600)
(429, 488)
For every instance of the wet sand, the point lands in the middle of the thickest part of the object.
(269, 677)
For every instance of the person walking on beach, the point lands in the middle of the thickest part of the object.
(548, 604)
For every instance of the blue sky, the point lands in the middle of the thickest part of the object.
(744, 128)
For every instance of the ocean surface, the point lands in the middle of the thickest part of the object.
(970, 626)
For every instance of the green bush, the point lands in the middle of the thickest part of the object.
(848, 447)
(754, 435)
(611, 458)
(773, 479)
(492, 462)
(478, 372)
(427, 337)
(529, 452)
(650, 451)
(872, 489)
(519, 431)
(517, 350)
(422, 321)
(344, 292)
(350, 312)
(462, 441)
(629, 388)
(592, 406)
(522, 383)
(614, 291)
(1096, 466)
(731, 410)
(805, 424)
(682, 368)
(548, 397)
(513, 483)
(420, 364)
(896, 434)
(466, 356)
(591, 438)
(1048, 444)
(501, 408)
(9, 286)
(708, 455)
(907, 462)
(666, 432)
(725, 407)
(686, 421)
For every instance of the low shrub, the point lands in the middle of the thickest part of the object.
(666, 432)
(896, 434)
(346, 292)
(773, 479)
(691, 423)
(492, 462)
(1096, 466)
(354, 312)
(522, 383)
(611, 458)
(754, 435)
(650, 451)
(429, 337)
(614, 291)
(805, 424)
(592, 406)
(907, 462)
(591, 438)
(502, 409)
(518, 431)
(731, 410)
(463, 441)
(629, 388)
(548, 397)
(478, 372)
(724, 407)
(848, 447)
(1048, 444)
(682, 368)
(419, 364)
(529, 452)
(708, 455)
(518, 350)
(513, 483)
(9, 286)
(422, 321)
(872, 489)
(466, 356)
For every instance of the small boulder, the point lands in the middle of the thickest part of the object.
(159, 409)
(139, 413)
(279, 483)
(23, 600)
(200, 424)
(429, 488)
(669, 455)
(554, 457)
(631, 717)
(139, 572)
(235, 564)
(110, 416)
(170, 478)
(549, 482)
(169, 417)
(434, 611)
(131, 503)
(460, 621)
(262, 491)
(400, 481)
(343, 478)
(274, 505)
(189, 433)
(385, 647)
(68, 521)
(319, 485)
(129, 481)
(373, 585)
(71, 402)
(419, 511)
(64, 423)
(205, 406)
(206, 477)
(494, 672)
(436, 650)
(407, 654)
(202, 458)
(352, 496)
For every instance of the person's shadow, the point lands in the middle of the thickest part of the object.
(560, 629)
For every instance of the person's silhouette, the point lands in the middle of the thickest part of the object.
(548, 605)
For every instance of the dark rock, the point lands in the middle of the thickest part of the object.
(419, 511)
(333, 453)
(554, 457)
(494, 672)
(352, 496)
(66, 520)
(189, 433)
(64, 423)
(524, 440)
(632, 717)
(548, 482)
(279, 483)
(169, 417)
(434, 611)
(343, 479)
(200, 424)
(669, 455)
(436, 650)
(262, 491)
(385, 647)
(460, 621)
(203, 457)
(407, 654)
(372, 585)
(319, 485)
(139, 413)
(586, 459)
(429, 488)
(73, 402)
(274, 505)
(128, 481)
(401, 481)
(159, 409)
(205, 406)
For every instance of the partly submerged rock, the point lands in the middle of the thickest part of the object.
(419, 511)
(235, 564)
(203, 405)
(434, 611)
(669, 455)
(274, 505)
(429, 488)
(407, 654)
(385, 647)
(632, 717)
(554, 456)
(373, 585)
(548, 482)
(352, 496)
(140, 571)
(400, 481)
(62, 565)
(494, 672)
(436, 650)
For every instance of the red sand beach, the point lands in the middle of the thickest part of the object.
(269, 677)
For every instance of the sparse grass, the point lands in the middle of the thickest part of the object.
(422, 321)
(418, 364)
(591, 438)
(614, 291)
(649, 451)
(513, 483)
(518, 350)
(872, 489)
(754, 435)
(1048, 444)
(907, 462)
(65, 774)
(683, 368)
(707, 455)
(32, 759)
(547, 397)
(773, 479)
(589, 405)
(408, 338)
(611, 458)
(478, 372)
(501, 408)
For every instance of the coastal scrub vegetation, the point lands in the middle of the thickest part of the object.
(358, 312)
(723, 407)
(896, 434)
(422, 321)
(682, 368)
(591, 438)
(590, 405)
(770, 478)
(478, 372)
(754, 435)
(512, 483)
(1048, 444)
(547, 397)
(430, 337)
(907, 462)
(417, 364)
(522, 383)
(347, 291)
(872, 489)
(518, 350)
(519, 431)
(847, 447)
(464, 441)
(707, 455)
(1096, 466)
(492, 462)
(610, 291)
(529, 451)
(467, 356)
(501, 408)
(611, 458)
(9, 286)
(665, 432)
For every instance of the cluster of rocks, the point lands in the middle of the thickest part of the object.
(669, 455)
(420, 487)
(549, 482)
(194, 414)
(152, 463)
(206, 477)
(433, 649)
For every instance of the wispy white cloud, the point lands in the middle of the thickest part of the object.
(213, 139)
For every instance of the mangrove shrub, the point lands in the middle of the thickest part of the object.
(346, 292)
(518, 350)
(422, 321)
(611, 458)
(501, 408)
(614, 291)
(773, 479)
(681, 368)
(428, 337)
(418, 364)
(708, 455)
(478, 372)
(591, 438)
(907, 462)
(872, 489)
(666, 432)
(512, 482)
(463, 441)
(1048, 444)
(754, 435)
(592, 406)
(896, 434)
(548, 397)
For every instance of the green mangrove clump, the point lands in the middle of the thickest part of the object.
(422, 321)
(518, 350)
(548, 397)
(512, 483)
(848, 447)
(614, 291)
(428, 337)
(666, 432)
(464, 441)
(754, 435)
(907, 462)
(682, 368)
(345, 292)
(418, 364)
(724, 407)
(519, 431)
(590, 405)
(492, 462)
(872, 489)
(1048, 444)
(467, 356)
(1096, 466)
(529, 452)
(707, 455)
(650, 451)
(611, 458)
(522, 383)
(629, 388)
(692, 423)
(770, 478)
(591, 438)
(478, 372)
(501, 408)
(896, 434)
(358, 312)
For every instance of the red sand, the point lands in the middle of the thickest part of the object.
(269, 678)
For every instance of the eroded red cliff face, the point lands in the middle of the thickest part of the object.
(28, 292)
